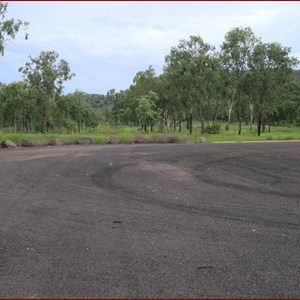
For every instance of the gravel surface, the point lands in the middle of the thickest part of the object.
(137, 221)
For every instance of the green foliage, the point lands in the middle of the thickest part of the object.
(192, 67)
(44, 77)
(236, 53)
(270, 69)
(9, 28)
(213, 129)
(295, 75)
(145, 110)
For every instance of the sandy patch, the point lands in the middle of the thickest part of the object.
(167, 170)
(31, 157)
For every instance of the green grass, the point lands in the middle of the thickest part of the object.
(126, 135)
(277, 133)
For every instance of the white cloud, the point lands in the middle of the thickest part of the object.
(106, 43)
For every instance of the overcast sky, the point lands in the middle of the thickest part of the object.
(107, 43)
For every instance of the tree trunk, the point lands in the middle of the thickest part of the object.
(263, 121)
(15, 122)
(187, 122)
(259, 124)
(251, 115)
(180, 123)
(191, 122)
(202, 122)
(230, 109)
(202, 126)
(240, 118)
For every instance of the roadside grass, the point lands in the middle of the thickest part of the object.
(128, 135)
(276, 133)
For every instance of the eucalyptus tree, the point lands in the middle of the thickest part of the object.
(289, 109)
(44, 77)
(108, 103)
(81, 111)
(191, 68)
(169, 103)
(146, 110)
(125, 102)
(144, 82)
(270, 69)
(16, 106)
(250, 94)
(74, 112)
(236, 51)
(117, 109)
(9, 27)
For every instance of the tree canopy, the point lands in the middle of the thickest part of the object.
(9, 27)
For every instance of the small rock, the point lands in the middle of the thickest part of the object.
(28, 143)
(113, 140)
(201, 139)
(138, 139)
(8, 144)
(83, 141)
(56, 142)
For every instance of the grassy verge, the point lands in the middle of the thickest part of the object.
(128, 135)
(277, 133)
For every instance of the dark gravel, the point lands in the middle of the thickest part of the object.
(136, 221)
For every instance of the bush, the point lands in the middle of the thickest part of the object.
(212, 129)
(297, 122)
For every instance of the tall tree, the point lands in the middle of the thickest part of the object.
(236, 51)
(270, 69)
(125, 102)
(44, 77)
(108, 103)
(146, 111)
(9, 27)
(144, 82)
(289, 109)
(191, 67)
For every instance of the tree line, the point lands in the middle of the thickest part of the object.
(244, 81)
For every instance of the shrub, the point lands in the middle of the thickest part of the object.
(297, 121)
(212, 129)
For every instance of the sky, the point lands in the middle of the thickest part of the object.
(106, 43)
